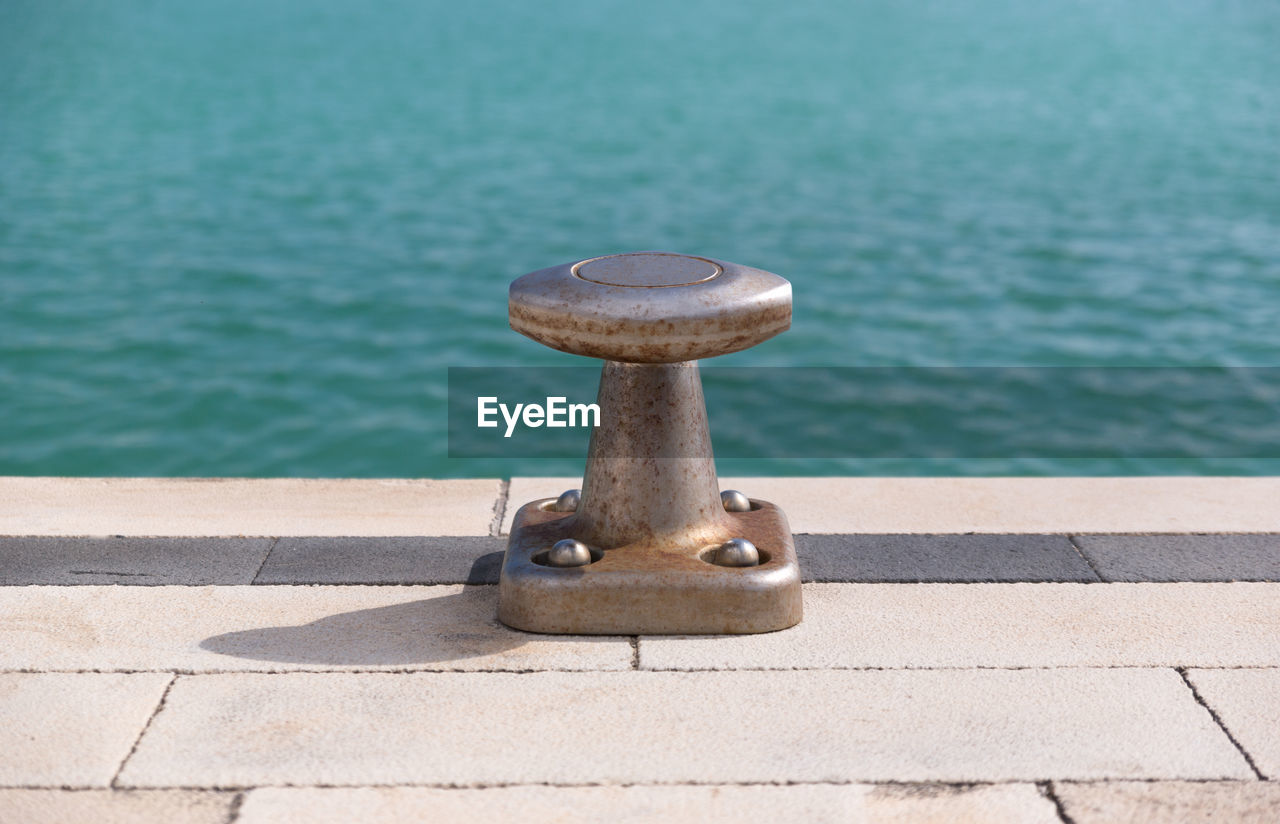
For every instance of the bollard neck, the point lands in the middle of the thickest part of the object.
(650, 473)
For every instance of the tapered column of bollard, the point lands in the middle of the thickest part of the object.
(650, 475)
(650, 544)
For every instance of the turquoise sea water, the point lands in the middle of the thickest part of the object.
(248, 238)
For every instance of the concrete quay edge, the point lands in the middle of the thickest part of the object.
(283, 507)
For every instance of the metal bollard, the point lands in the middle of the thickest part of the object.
(650, 545)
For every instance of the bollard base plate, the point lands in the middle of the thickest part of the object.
(654, 588)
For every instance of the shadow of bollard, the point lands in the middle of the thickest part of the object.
(455, 626)
(486, 569)
(452, 627)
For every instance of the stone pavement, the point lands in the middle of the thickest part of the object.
(1040, 650)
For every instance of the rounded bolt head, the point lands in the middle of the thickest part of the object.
(735, 501)
(568, 553)
(737, 552)
(568, 501)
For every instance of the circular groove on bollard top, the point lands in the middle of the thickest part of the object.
(651, 270)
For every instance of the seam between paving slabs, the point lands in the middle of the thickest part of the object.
(835, 581)
(237, 802)
(180, 672)
(1217, 719)
(247, 788)
(1071, 539)
(164, 696)
(1047, 792)
(266, 557)
(500, 507)
(953, 533)
(841, 581)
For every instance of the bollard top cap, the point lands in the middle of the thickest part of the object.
(650, 307)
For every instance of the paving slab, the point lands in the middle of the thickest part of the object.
(1183, 557)
(115, 806)
(943, 558)
(816, 803)
(1170, 802)
(267, 507)
(71, 729)
(1022, 505)
(278, 628)
(130, 560)
(250, 729)
(1248, 702)
(270, 628)
(995, 505)
(470, 560)
(1001, 625)
(823, 558)
(477, 560)
(305, 507)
